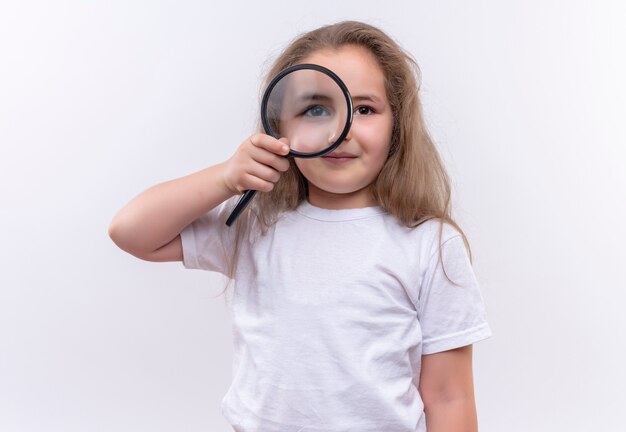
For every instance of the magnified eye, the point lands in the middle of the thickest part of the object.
(317, 111)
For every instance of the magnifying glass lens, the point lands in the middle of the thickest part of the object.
(308, 108)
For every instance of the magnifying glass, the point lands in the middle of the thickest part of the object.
(310, 106)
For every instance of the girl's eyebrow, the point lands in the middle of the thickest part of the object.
(370, 98)
(314, 97)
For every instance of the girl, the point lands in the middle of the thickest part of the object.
(354, 305)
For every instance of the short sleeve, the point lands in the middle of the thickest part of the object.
(451, 315)
(207, 242)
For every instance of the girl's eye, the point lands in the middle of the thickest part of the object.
(364, 110)
(316, 111)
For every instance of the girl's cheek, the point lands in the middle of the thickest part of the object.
(304, 165)
(373, 133)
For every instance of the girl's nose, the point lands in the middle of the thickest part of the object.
(348, 137)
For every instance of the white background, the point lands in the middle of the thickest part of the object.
(100, 100)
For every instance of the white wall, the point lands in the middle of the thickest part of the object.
(99, 100)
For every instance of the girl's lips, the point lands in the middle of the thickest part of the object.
(338, 158)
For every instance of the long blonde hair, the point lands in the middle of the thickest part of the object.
(413, 184)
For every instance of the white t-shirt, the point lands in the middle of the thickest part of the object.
(332, 311)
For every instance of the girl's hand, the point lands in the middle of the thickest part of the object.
(257, 164)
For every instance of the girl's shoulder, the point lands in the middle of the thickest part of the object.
(435, 226)
(427, 236)
(428, 229)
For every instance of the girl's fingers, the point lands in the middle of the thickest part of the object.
(257, 164)
(255, 183)
(279, 163)
(264, 172)
(271, 144)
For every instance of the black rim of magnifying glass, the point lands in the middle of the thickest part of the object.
(249, 194)
(334, 77)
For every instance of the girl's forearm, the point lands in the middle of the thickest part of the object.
(159, 214)
(458, 415)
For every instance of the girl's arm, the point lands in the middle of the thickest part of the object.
(149, 226)
(447, 389)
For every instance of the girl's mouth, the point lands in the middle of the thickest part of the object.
(339, 158)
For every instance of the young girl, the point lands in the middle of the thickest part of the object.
(354, 303)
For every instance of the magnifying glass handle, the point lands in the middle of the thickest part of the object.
(241, 205)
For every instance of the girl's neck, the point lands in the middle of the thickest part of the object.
(335, 201)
